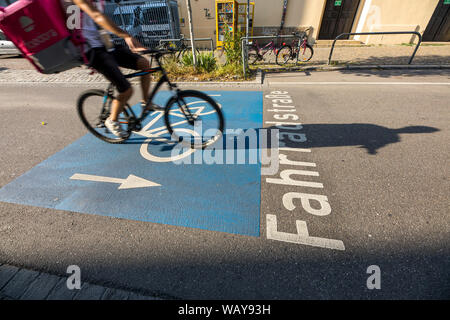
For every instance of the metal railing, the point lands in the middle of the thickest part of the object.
(375, 33)
(189, 40)
(244, 47)
(148, 21)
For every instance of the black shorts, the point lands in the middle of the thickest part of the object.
(108, 63)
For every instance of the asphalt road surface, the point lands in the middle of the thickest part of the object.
(364, 181)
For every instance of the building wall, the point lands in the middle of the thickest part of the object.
(398, 15)
(204, 26)
(300, 14)
(372, 15)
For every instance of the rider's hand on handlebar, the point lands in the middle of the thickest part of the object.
(134, 44)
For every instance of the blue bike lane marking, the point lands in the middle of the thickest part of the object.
(94, 177)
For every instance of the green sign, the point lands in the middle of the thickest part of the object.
(446, 1)
(338, 3)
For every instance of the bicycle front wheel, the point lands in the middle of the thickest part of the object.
(94, 107)
(305, 54)
(194, 119)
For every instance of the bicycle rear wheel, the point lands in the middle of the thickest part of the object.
(269, 55)
(284, 55)
(253, 55)
(207, 123)
(94, 107)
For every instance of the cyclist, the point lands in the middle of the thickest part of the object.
(107, 62)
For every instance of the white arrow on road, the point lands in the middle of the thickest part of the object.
(129, 183)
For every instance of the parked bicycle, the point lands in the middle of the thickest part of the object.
(298, 50)
(257, 53)
(177, 52)
(191, 117)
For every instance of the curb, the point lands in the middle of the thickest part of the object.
(257, 82)
(358, 67)
(24, 284)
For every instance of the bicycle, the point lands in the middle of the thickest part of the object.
(193, 109)
(257, 53)
(182, 49)
(300, 51)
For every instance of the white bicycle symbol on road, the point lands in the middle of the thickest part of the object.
(155, 134)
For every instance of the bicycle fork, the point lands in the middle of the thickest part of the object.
(187, 113)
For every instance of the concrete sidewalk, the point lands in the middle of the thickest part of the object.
(384, 55)
(14, 70)
(378, 55)
(22, 284)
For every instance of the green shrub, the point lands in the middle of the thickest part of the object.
(187, 59)
(232, 46)
(205, 61)
(230, 69)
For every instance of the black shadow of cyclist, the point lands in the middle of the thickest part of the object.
(369, 136)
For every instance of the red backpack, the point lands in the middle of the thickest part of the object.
(38, 28)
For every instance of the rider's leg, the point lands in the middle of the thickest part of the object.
(118, 103)
(130, 60)
(143, 64)
(107, 64)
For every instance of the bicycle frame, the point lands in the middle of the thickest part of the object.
(272, 46)
(136, 125)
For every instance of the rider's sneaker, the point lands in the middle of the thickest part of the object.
(115, 128)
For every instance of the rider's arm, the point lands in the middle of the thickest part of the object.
(106, 23)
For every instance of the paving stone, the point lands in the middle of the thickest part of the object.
(20, 70)
(115, 294)
(135, 296)
(90, 292)
(6, 273)
(41, 287)
(61, 292)
(16, 283)
(19, 283)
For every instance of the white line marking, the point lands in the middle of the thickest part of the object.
(294, 149)
(130, 182)
(318, 83)
(302, 236)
